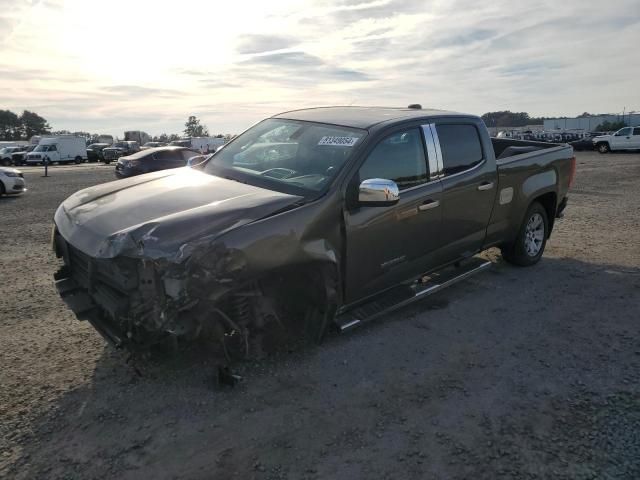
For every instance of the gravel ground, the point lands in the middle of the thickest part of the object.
(515, 373)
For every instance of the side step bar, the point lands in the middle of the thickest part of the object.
(404, 295)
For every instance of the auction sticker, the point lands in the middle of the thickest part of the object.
(338, 141)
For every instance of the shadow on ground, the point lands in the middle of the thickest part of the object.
(528, 373)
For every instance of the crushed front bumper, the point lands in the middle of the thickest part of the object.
(95, 290)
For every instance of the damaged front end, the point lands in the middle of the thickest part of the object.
(123, 298)
(137, 303)
(185, 255)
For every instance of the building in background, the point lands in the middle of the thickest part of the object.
(590, 124)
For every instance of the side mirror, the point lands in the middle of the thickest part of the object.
(378, 192)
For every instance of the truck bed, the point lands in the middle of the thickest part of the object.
(508, 149)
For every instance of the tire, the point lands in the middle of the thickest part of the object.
(603, 148)
(78, 160)
(2, 189)
(5, 162)
(531, 240)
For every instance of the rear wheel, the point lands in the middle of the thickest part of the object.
(78, 160)
(603, 147)
(531, 240)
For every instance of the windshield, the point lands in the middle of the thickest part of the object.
(120, 145)
(41, 148)
(286, 155)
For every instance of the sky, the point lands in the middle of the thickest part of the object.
(110, 66)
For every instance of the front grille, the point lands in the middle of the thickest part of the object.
(119, 275)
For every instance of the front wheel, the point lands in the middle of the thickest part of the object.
(603, 147)
(5, 162)
(531, 240)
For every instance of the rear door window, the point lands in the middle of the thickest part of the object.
(460, 146)
(399, 157)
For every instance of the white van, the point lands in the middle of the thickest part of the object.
(62, 149)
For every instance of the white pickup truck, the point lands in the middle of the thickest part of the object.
(627, 138)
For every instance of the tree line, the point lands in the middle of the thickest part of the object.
(23, 126)
(507, 118)
(28, 124)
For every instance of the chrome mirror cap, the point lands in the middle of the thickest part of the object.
(378, 192)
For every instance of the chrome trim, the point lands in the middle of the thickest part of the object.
(436, 141)
(350, 324)
(418, 294)
(378, 190)
(429, 206)
(484, 160)
(448, 283)
(432, 156)
(485, 186)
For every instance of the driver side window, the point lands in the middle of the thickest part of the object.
(399, 157)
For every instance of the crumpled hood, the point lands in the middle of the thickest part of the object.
(156, 215)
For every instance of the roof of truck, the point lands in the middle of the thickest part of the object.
(361, 117)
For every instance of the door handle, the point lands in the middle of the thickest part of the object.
(485, 186)
(429, 204)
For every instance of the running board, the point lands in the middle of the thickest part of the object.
(404, 295)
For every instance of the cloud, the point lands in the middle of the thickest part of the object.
(465, 38)
(251, 44)
(297, 67)
(261, 57)
(133, 91)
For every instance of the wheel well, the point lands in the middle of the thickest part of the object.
(313, 284)
(549, 201)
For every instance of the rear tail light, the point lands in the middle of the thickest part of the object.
(572, 171)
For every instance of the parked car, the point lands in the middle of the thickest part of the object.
(11, 181)
(119, 149)
(584, 143)
(152, 160)
(20, 158)
(327, 216)
(6, 153)
(201, 144)
(60, 149)
(627, 138)
(152, 145)
(94, 151)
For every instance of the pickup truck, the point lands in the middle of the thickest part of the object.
(627, 138)
(119, 149)
(310, 219)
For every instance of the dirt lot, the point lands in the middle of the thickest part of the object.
(516, 373)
